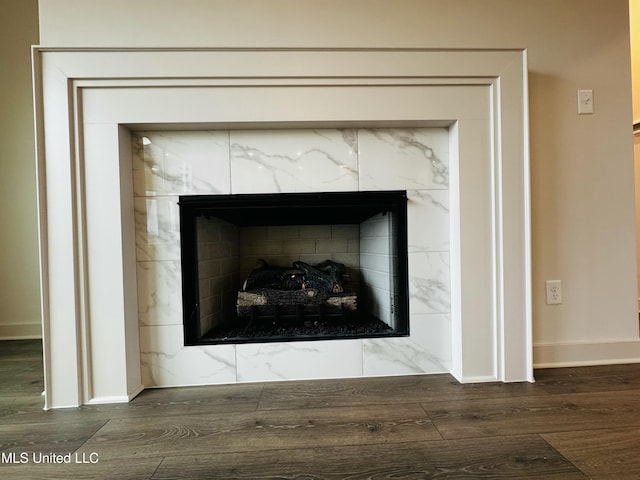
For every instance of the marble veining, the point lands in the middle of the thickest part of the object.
(293, 161)
(180, 163)
(428, 221)
(403, 158)
(165, 361)
(402, 356)
(429, 282)
(425, 351)
(159, 293)
(157, 223)
(279, 361)
(161, 370)
(167, 164)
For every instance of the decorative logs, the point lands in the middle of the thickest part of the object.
(301, 291)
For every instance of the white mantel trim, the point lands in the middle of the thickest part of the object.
(61, 78)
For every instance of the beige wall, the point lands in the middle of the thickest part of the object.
(634, 14)
(634, 20)
(582, 166)
(19, 285)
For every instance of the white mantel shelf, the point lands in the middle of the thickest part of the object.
(89, 100)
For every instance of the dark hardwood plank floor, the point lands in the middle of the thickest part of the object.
(496, 457)
(555, 413)
(604, 453)
(573, 423)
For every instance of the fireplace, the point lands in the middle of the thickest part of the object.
(294, 266)
(97, 258)
(380, 187)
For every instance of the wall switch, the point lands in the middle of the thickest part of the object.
(554, 292)
(585, 102)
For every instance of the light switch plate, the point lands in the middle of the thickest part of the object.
(585, 102)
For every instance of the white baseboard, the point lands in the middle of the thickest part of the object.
(20, 331)
(586, 354)
(136, 391)
(481, 379)
(117, 398)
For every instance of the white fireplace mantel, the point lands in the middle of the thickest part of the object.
(88, 100)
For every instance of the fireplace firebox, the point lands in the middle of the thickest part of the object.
(294, 266)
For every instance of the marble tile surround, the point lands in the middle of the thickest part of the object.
(168, 164)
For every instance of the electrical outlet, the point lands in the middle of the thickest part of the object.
(554, 292)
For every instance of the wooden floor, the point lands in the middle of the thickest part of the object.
(573, 423)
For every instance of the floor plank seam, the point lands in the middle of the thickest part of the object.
(89, 437)
(432, 421)
(561, 455)
(260, 398)
(574, 423)
(162, 459)
(349, 405)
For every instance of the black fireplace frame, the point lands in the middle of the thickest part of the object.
(288, 209)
